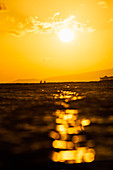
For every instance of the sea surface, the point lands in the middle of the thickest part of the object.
(63, 125)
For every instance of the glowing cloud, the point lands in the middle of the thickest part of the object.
(102, 4)
(110, 20)
(56, 14)
(34, 25)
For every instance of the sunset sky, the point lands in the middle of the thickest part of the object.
(30, 37)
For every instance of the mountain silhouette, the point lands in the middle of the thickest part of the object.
(87, 76)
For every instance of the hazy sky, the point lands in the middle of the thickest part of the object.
(30, 46)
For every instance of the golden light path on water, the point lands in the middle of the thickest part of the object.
(69, 137)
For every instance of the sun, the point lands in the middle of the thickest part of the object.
(66, 35)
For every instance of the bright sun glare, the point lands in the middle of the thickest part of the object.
(66, 35)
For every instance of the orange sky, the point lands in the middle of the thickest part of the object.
(30, 46)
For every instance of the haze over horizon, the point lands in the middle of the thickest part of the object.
(81, 77)
(34, 43)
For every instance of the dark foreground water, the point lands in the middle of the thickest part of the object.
(56, 126)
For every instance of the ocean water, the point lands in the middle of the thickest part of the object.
(64, 124)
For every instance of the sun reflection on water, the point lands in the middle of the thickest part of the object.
(67, 95)
(69, 138)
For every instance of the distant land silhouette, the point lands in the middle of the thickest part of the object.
(87, 76)
(27, 81)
